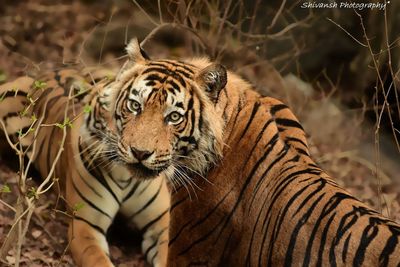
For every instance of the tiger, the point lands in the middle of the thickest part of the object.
(245, 190)
(73, 112)
(259, 198)
(265, 202)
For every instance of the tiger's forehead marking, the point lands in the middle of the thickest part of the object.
(164, 81)
(167, 70)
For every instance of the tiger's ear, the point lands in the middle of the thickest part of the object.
(135, 55)
(135, 52)
(212, 79)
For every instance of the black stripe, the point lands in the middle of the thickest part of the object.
(167, 74)
(154, 77)
(244, 187)
(98, 175)
(246, 184)
(200, 122)
(91, 204)
(183, 65)
(89, 185)
(145, 187)
(149, 224)
(177, 203)
(346, 248)
(190, 103)
(240, 108)
(105, 184)
(296, 230)
(175, 87)
(288, 123)
(148, 203)
(282, 215)
(282, 154)
(208, 215)
(329, 207)
(201, 239)
(179, 105)
(122, 184)
(390, 246)
(277, 192)
(155, 242)
(13, 94)
(302, 151)
(94, 226)
(178, 232)
(154, 257)
(192, 123)
(253, 113)
(294, 139)
(366, 239)
(341, 230)
(256, 225)
(322, 246)
(132, 191)
(11, 114)
(311, 194)
(277, 108)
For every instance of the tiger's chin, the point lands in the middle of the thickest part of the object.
(139, 171)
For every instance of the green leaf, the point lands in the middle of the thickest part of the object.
(67, 123)
(39, 84)
(32, 192)
(78, 206)
(82, 89)
(87, 109)
(59, 125)
(5, 189)
(23, 112)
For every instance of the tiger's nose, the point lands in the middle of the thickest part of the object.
(141, 154)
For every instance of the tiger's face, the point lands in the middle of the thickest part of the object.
(164, 116)
(157, 121)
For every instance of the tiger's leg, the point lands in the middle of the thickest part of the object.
(88, 245)
(87, 231)
(148, 209)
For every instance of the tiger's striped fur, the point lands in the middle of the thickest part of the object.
(267, 203)
(87, 170)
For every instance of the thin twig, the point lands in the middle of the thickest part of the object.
(145, 13)
(349, 34)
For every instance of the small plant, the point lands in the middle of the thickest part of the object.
(39, 85)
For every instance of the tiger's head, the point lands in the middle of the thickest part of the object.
(162, 115)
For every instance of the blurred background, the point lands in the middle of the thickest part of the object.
(338, 69)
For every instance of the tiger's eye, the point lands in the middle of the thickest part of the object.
(174, 117)
(134, 106)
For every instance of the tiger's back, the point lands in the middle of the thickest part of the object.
(27, 101)
(268, 204)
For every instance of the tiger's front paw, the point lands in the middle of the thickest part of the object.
(95, 258)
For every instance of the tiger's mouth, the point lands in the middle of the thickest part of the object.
(142, 172)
